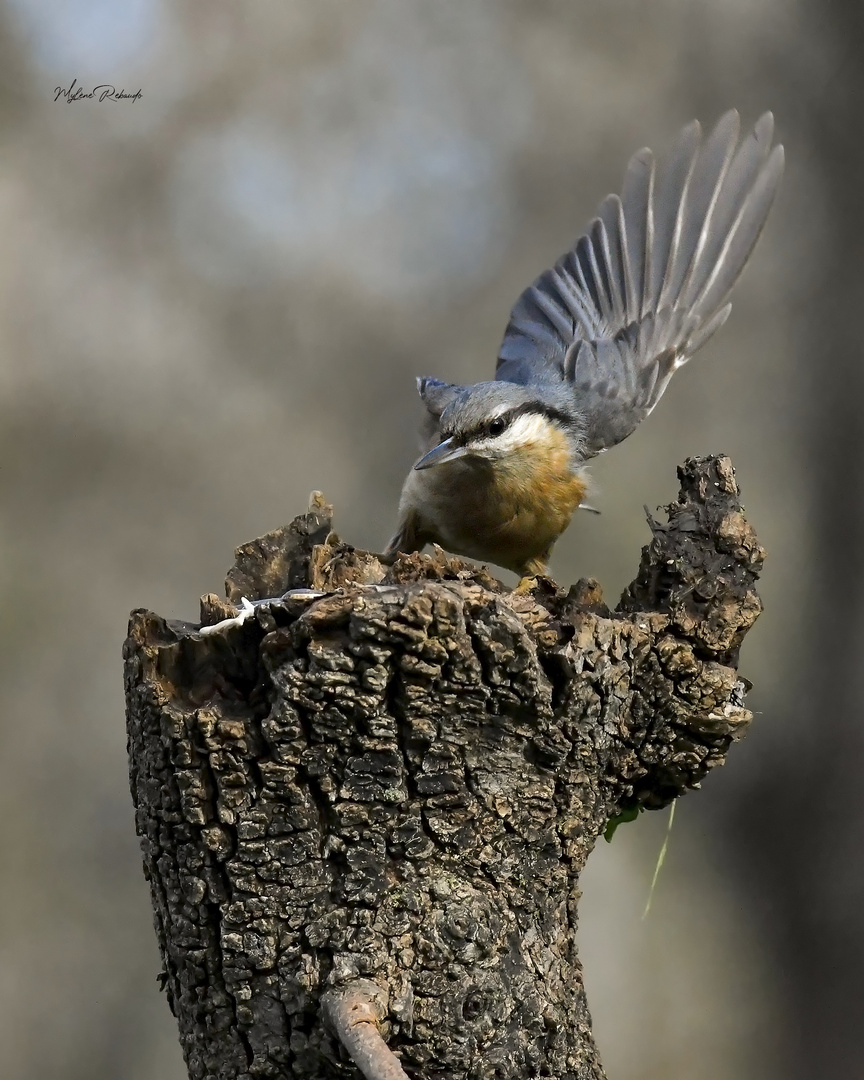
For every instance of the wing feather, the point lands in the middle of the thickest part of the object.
(669, 204)
(614, 245)
(742, 174)
(637, 195)
(696, 213)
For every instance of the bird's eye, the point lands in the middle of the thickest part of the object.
(496, 427)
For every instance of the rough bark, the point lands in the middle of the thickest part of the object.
(390, 790)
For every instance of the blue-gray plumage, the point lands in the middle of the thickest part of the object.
(589, 350)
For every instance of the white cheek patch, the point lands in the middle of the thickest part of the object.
(525, 429)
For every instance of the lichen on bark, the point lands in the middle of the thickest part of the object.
(397, 783)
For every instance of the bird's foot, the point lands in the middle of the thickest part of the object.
(527, 584)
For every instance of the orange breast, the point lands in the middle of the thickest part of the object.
(509, 512)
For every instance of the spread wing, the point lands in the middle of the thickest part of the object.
(648, 282)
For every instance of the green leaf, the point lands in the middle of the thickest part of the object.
(630, 814)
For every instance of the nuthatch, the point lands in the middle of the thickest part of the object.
(589, 350)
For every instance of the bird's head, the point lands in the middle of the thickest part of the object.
(497, 422)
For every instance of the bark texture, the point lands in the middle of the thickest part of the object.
(390, 790)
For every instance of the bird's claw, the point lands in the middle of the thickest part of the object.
(526, 585)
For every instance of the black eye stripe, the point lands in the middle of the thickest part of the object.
(528, 408)
(537, 408)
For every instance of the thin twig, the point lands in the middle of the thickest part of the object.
(354, 1012)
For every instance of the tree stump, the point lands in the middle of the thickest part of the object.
(371, 807)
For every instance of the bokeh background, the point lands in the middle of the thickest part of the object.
(216, 298)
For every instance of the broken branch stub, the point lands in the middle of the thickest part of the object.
(390, 790)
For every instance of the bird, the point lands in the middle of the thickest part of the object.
(589, 349)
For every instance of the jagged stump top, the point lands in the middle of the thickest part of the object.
(400, 780)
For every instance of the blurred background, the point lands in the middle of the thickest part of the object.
(216, 298)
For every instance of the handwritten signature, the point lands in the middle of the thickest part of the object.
(103, 92)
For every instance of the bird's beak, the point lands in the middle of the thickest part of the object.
(445, 451)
